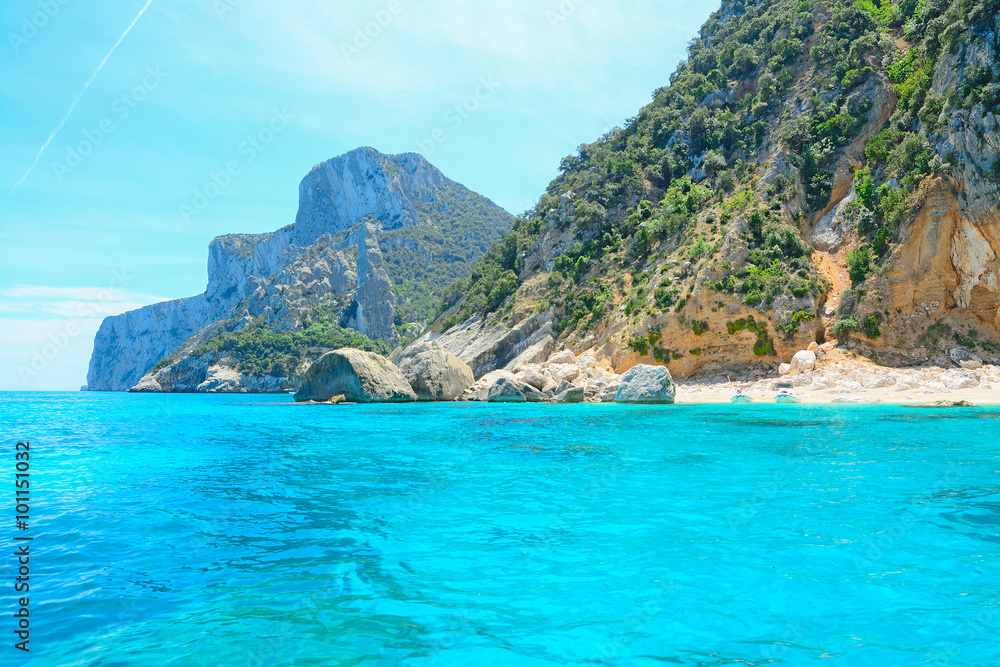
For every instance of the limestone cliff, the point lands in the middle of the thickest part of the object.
(331, 260)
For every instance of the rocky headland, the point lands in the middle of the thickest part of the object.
(376, 240)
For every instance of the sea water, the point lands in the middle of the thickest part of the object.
(246, 530)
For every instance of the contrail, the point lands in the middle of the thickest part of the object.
(73, 106)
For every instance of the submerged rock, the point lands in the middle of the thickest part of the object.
(434, 373)
(646, 385)
(361, 377)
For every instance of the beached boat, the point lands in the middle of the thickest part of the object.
(740, 397)
(785, 397)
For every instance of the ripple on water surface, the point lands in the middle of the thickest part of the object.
(244, 530)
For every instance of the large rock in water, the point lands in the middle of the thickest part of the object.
(646, 385)
(361, 377)
(434, 373)
(506, 391)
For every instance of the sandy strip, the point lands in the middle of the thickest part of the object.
(694, 394)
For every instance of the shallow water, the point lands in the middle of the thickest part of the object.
(236, 530)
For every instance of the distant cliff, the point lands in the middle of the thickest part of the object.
(375, 241)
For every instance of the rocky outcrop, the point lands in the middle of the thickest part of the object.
(802, 362)
(203, 376)
(831, 230)
(433, 372)
(358, 376)
(942, 277)
(505, 391)
(331, 257)
(371, 311)
(963, 358)
(571, 395)
(644, 385)
(489, 346)
(561, 378)
(618, 265)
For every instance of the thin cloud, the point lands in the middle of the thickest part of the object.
(71, 302)
(69, 113)
(45, 292)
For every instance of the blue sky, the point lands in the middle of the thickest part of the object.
(99, 226)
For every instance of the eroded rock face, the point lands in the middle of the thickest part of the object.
(944, 272)
(486, 348)
(830, 231)
(372, 309)
(644, 384)
(147, 386)
(361, 377)
(434, 373)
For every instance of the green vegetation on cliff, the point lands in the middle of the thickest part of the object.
(457, 228)
(717, 183)
(256, 350)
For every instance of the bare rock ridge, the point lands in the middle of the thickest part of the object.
(365, 221)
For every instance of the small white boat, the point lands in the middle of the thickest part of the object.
(740, 397)
(785, 397)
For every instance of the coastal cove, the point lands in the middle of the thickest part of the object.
(230, 529)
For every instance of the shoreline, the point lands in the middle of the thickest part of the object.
(707, 395)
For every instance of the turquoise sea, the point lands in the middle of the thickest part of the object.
(246, 530)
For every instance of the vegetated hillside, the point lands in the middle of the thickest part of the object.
(457, 227)
(814, 170)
